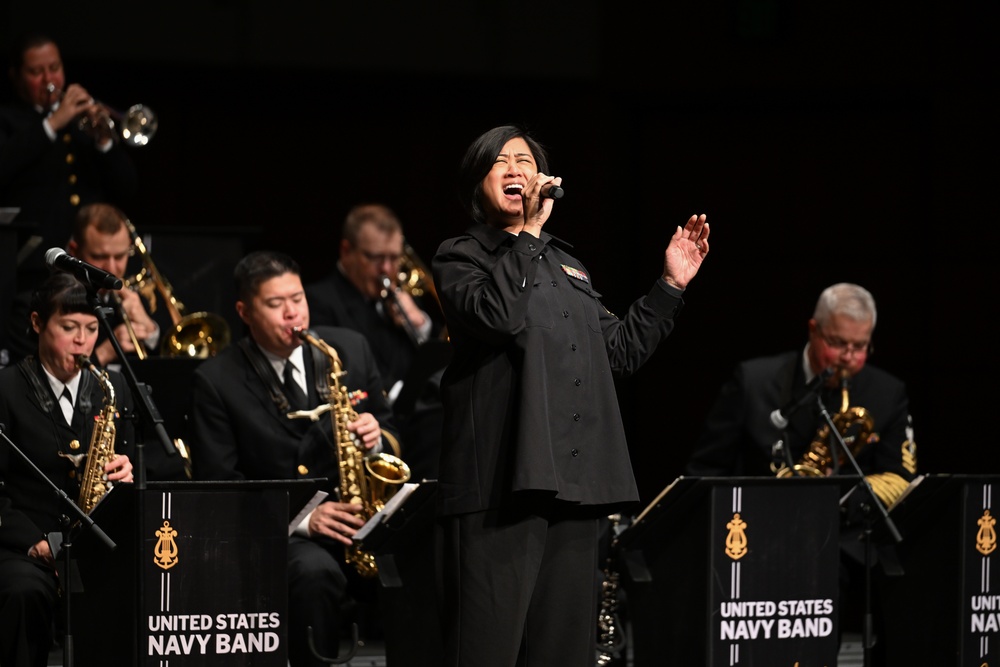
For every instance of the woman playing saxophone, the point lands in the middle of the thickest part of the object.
(48, 407)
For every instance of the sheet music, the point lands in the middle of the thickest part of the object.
(397, 499)
(314, 502)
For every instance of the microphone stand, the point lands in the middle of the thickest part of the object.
(866, 509)
(151, 416)
(85, 522)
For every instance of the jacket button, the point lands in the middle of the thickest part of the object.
(573, 347)
(577, 382)
(74, 444)
(531, 247)
(576, 416)
(565, 313)
(555, 284)
(574, 451)
(303, 470)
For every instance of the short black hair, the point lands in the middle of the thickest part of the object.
(61, 293)
(258, 267)
(480, 157)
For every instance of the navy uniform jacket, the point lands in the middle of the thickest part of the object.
(738, 436)
(529, 395)
(33, 420)
(49, 180)
(241, 432)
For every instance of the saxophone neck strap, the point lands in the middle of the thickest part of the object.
(31, 369)
(262, 367)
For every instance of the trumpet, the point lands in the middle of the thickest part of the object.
(136, 126)
(415, 279)
(196, 335)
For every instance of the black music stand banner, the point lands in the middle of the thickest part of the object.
(735, 571)
(949, 589)
(198, 576)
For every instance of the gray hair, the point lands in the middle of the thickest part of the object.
(846, 299)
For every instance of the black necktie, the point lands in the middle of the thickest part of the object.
(69, 399)
(296, 399)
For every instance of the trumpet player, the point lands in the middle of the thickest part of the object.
(354, 294)
(49, 166)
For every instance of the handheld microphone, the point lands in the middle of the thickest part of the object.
(552, 191)
(88, 274)
(779, 418)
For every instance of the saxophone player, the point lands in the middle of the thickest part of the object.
(738, 435)
(48, 407)
(241, 430)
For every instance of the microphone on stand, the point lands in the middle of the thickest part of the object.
(779, 418)
(88, 274)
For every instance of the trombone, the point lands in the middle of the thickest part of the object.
(140, 347)
(196, 335)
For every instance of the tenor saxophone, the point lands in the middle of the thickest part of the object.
(94, 484)
(367, 481)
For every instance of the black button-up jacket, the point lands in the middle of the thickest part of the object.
(529, 396)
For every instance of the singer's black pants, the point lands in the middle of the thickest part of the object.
(521, 587)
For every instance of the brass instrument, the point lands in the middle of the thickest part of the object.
(367, 480)
(94, 483)
(196, 335)
(414, 278)
(140, 347)
(388, 295)
(136, 126)
(855, 425)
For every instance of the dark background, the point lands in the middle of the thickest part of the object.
(839, 142)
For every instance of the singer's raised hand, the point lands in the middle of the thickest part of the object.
(686, 251)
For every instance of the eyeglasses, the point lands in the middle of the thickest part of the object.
(381, 259)
(841, 345)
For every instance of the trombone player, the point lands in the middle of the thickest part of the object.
(49, 166)
(100, 237)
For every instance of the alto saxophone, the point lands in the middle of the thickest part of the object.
(367, 481)
(94, 484)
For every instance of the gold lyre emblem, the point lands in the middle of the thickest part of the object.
(986, 538)
(165, 551)
(736, 541)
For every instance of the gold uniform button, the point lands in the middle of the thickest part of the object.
(74, 200)
(74, 444)
(69, 158)
(72, 179)
(67, 138)
(303, 470)
(72, 474)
